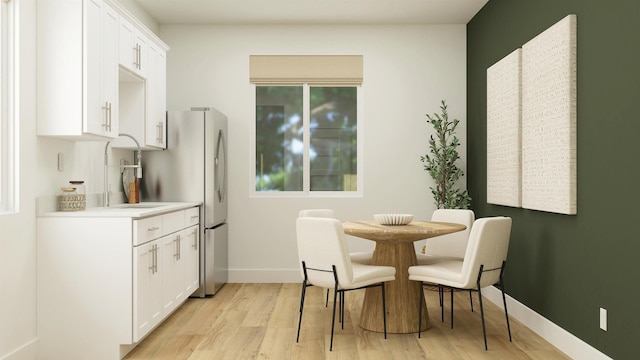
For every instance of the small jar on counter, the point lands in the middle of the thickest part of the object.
(72, 197)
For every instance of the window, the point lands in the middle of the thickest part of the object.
(307, 127)
(7, 131)
(282, 130)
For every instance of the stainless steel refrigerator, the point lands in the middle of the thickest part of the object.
(194, 168)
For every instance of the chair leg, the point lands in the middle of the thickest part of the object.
(333, 318)
(451, 308)
(302, 296)
(504, 299)
(304, 288)
(484, 330)
(420, 307)
(326, 302)
(342, 309)
(441, 294)
(384, 312)
(506, 315)
(471, 300)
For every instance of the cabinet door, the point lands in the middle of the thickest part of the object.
(127, 54)
(100, 83)
(142, 43)
(192, 259)
(173, 272)
(110, 19)
(95, 114)
(147, 288)
(155, 125)
(133, 48)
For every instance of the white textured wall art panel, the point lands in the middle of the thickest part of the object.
(504, 143)
(549, 116)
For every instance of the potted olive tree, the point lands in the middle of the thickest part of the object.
(441, 162)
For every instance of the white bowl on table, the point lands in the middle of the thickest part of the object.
(393, 219)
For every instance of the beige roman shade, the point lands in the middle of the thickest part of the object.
(301, 69)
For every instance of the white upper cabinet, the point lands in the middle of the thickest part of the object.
(142, 83)
(100, 73)
(143, 103)
(156, 98)
(134, 48)
(77, 69)
(110, 20)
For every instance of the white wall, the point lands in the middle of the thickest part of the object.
(408, 70)
(17, 231)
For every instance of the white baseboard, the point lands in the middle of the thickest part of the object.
(555, 335)
(28, 351)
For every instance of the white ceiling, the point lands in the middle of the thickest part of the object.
(312, 11)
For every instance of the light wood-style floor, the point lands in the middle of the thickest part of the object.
(259, 321)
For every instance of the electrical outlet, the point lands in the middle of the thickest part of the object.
(603, 319)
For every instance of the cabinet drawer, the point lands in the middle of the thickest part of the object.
(147, 229)
(191, 216)
(172, 222)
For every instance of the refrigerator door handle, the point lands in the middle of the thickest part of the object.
(221, 176)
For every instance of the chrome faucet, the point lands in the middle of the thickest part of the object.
(137, 165)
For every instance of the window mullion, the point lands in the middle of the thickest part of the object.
(306, 139)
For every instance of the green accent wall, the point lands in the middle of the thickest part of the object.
(567, 267)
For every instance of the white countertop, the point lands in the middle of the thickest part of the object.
(140, 210)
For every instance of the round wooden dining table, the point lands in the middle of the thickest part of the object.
(394, 247)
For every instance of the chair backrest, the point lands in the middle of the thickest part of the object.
(488, 246)
(324, 213)
(451, 245)
(321, 244)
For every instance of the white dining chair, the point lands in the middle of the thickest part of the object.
(451, 246)
(325, 262)
(330, 213)
(448, 247)
(322, 213)
(483, 265)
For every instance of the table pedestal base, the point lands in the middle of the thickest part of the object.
(402, 294)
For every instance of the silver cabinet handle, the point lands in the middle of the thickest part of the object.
(177, 250)
(151, 259)
(107, 116)
(153, 228)
(154, 259)
(136, 65)
(195, 240)
(160, 132)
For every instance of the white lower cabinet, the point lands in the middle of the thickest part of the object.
(172, 289)
(163, 267)
(192, 258)
(105, 282)
(147, 292)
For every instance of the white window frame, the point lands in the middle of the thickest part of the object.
(306, 192)
(8, 109)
